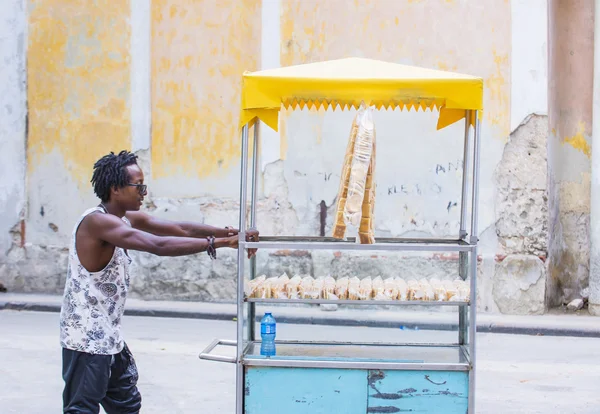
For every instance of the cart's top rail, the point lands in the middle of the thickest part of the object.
(347, 82)
(382, 244)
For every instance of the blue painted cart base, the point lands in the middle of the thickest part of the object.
(270, 390)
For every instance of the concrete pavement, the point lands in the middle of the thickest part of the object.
(515, 373)
(441, 318)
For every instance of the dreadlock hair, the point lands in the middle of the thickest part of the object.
(110, 171)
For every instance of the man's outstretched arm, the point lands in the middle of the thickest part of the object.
(160, 227)
(112, 230)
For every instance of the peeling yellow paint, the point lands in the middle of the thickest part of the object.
(496, 85)
(78, 82)
(578, 140)
(196, 95)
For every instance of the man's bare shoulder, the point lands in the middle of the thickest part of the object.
(96, 222)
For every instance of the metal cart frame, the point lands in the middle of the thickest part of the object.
(466, 243)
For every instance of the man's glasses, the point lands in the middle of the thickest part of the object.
(141, 187)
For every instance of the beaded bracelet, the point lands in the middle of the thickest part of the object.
(211, 250)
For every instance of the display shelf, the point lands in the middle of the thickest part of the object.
(382, 244)
(358, 302)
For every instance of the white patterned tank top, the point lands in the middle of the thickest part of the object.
(94, 302)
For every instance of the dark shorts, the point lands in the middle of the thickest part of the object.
(94, 380)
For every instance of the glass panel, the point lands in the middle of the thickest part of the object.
(367, 353)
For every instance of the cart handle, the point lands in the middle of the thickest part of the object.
(220, 358)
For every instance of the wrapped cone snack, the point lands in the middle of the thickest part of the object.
(292, 286)
(365, 290)
(390, 288)
(341, 288)
(278, 287)
(339, 227)
(378, 289)
(250, 289)
(317, 288)
(305, 288)
(329, 288)
(353, 288)
(403, 291)
(361, 159)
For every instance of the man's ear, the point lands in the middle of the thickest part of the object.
(114, 191)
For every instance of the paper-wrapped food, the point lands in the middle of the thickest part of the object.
(251, 286)
(329, 288)
(353, 288)
(439, 291)
(451, 290)
(278, 287)
(341, 288)
(414, 290)
(292, 286)
(390, 288)
(426, 290)
(402, 289)
(379, 289)
(366, 231)
(317, 288)
(264, 289)
(305, 288)
(365, 290)
(462, 290)
(339, 226)
(361, 159)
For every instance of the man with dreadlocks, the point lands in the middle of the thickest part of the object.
(98, 368)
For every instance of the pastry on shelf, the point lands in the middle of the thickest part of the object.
(403, 291)
(341, 288)
(365, 290)
(414, 290)
(292, 287)
(317, 288)
(305, 288)
(353, 288)
(329, 288)
(390, 288)
(251, 286)
(278, 287)
(378, 289)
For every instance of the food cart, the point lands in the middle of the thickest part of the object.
(352, 377)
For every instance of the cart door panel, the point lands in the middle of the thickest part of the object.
(418, 391)
(305, 391)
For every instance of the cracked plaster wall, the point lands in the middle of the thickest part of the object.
(419, 174)
(520, 271)
(13, 113)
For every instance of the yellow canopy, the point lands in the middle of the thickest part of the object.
(347, 82)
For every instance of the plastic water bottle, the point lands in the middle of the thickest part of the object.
(267, 333)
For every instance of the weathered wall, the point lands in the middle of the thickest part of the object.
(570, 116)
(78, 91)
(199, 49)
(13, 112)
(163, 79)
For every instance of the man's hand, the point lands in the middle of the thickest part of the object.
(252, 236)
